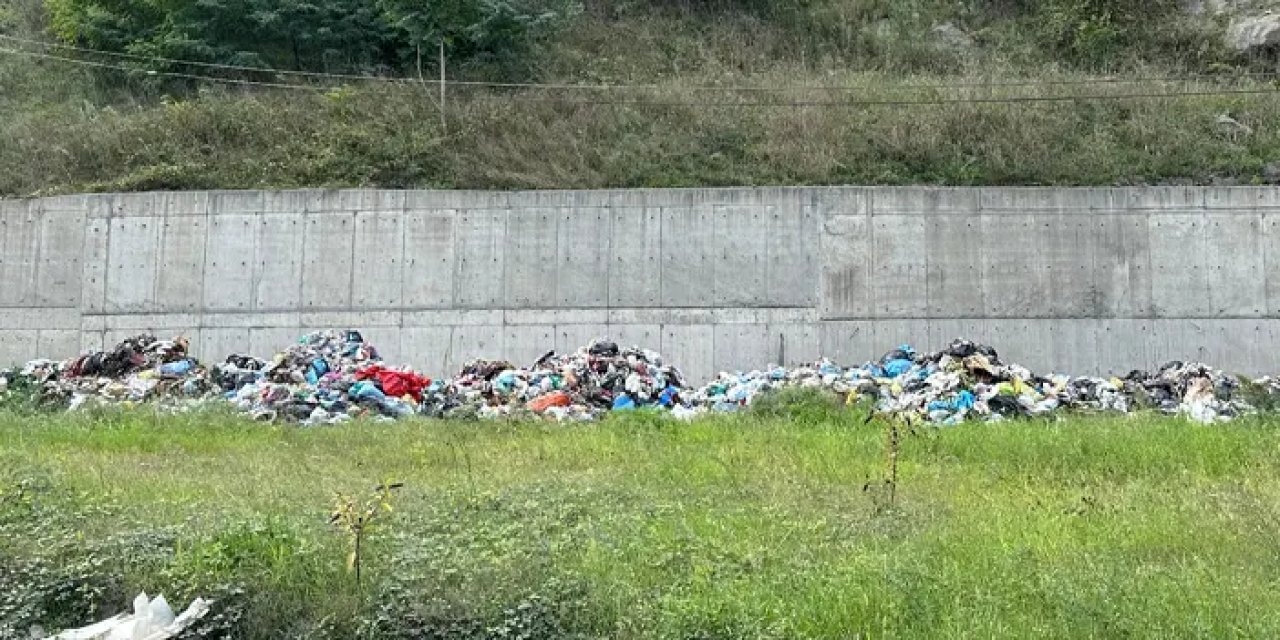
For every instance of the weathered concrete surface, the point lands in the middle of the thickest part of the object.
(1078, 280)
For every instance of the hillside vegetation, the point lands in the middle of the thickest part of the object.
(718, 92)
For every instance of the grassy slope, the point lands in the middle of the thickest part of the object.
(67, 130)
(741, 527)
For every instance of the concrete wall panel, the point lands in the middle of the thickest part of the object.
(328, 265)
(525, 343)
(1067, 256)
(1013, 274)
(1021, 340)
(265, 342)
(791, 270)
(1179, 266)
(216, 343)
(635, 335)
(739, 256)
(427, 348)
(241, 202)
(953, 245)
(1122, 346)
(473, 341)
(635, 270)
(689, 247)
(1235, 266)
(1122, 265)
(887, 334)
(230, 253)
(899, 263)
(743, 346)
(378, 258)
(582, 258)
(691, 348)
(93, 281)
(1271, 261)
(530, 256)
(133, 263)
(20, 345)
(429, 256)
(571, 336)
(180, 277)
(278, 262)
(847, 342)
(846, 277)
(1236, 340)
(61, 267)
(1069, 345)
(93, 340)
(479, 278)
(389, 340)
(943, 331)
(797, 343)
(1175, 340)
(19, 255)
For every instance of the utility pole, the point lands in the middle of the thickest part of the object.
(444, 125)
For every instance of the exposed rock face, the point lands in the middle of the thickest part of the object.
(1221, 7)
(1256, 34)
(948, 36)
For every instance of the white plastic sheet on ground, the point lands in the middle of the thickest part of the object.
(150, 620)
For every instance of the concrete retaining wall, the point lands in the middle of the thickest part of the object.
(1077, 280)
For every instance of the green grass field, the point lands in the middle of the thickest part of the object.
(764, 525)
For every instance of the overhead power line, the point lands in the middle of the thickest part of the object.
(167, 74)
(651, 86)
(732, 104)
(192, 63)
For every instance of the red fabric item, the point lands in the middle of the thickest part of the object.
(548, 400)
(394, 382)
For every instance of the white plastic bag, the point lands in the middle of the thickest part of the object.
(150, 620)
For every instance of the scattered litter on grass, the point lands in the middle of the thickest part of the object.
(328, 377)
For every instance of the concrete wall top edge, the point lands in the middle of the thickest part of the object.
(321, 199)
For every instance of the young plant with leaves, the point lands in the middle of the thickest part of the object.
(357, 518)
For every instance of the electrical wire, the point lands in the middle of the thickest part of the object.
(627, 87)
(731, 104)
(147, 72)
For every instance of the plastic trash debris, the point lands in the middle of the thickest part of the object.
(328, 377)
(150, 620)
(549, 400)
(969, 381)
(581, 385)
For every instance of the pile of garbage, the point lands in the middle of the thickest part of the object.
(328, 377)
(582, 385)
(325, 378)
(142, 368)
(969, 381)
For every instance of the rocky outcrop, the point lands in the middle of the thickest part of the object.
(1255, 34)
(948, 36)
(1214, 8)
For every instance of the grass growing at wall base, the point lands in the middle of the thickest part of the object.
(763, 525)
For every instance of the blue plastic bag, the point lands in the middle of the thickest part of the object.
(367, 391)
(177, 369)
(668, 396)
(895, 368)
